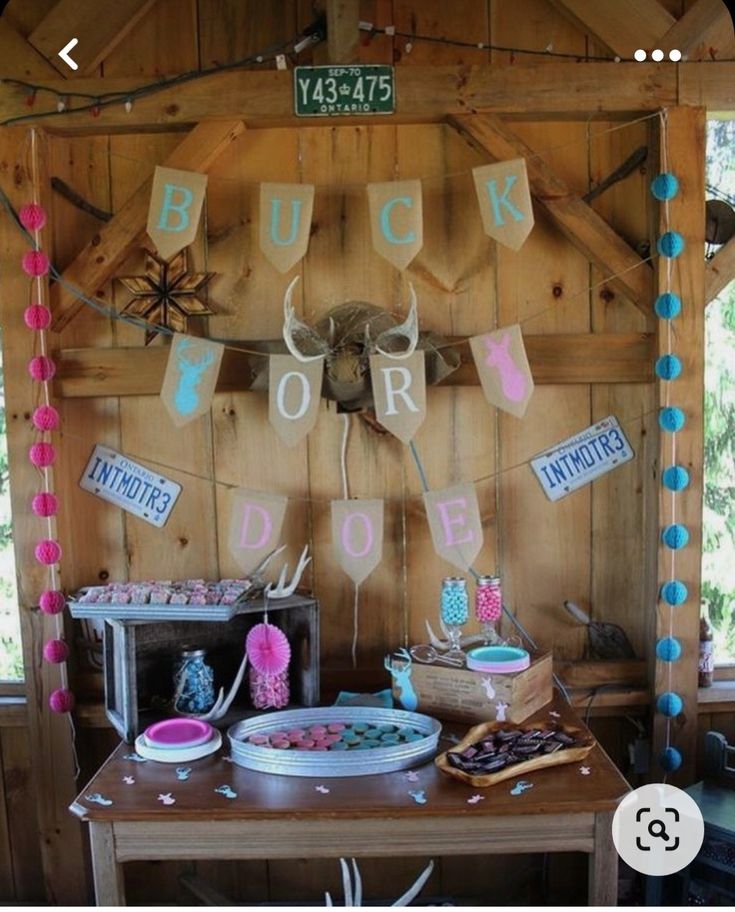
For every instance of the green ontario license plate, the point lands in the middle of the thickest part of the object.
(328, 91)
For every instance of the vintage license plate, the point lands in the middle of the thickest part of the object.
(127, 484)
(329, 91)
(580, 459)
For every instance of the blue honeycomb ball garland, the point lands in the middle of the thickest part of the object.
(671, 419)
(668, 367)
(665, 186)
(669, 704)
(675, 537)
(676, 478)
(668, 649)
(668, 305)
(670, 244)
(670, 759)
(674, 592)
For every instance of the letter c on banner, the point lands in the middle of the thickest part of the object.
(305, 395)
(385, 226)
(247, 511)
(345, 530)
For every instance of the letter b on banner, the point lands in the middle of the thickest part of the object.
(294, 391)
(255, 526)
(399, 393)
(357, 536)
(176, 204)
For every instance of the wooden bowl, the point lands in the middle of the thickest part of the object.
(585, 743)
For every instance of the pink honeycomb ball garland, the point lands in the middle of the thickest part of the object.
(32, 217)
(41, 368)
(48, 551)
(45, 504)
(488, 603)
(52, 601)
(61, 700)
(42, 454)
(56, 651)
(45, 418)
(35, 263)
(37, 316)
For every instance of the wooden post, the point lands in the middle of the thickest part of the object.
(50, 734)
(686, 155)
(343, 32)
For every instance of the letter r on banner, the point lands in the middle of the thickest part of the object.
(175, 208)
(399, 393)
(256, 520)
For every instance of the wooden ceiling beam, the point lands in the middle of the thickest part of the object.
(720, 271)
(19, 59)
(564, 358)
(587, 230)
(704, 31)
(98, 27)
(623, 26)
(98, 260)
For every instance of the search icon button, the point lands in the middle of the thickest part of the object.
(660, 832)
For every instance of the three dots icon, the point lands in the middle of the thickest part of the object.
(658, 55)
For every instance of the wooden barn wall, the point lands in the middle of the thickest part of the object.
(591, 547)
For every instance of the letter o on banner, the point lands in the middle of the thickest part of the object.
(294, 390)
(357, 536)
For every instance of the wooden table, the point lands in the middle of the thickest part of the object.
(283, 817)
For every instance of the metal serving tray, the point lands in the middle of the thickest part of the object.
(333, 763)
(154, 612)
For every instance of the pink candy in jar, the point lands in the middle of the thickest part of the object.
(488, 605)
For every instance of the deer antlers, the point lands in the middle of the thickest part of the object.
(353, 897)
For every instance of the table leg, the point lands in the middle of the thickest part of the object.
(603, 864)
(109, 884)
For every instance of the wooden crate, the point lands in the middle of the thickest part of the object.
(140, 658)
(466, 696)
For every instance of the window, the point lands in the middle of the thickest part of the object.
(11, 657)
(718, 552)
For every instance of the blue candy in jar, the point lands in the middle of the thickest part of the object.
(455, 602)
(193, 683)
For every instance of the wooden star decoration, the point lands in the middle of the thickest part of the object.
(168, 294)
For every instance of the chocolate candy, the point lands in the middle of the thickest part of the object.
(506, 747)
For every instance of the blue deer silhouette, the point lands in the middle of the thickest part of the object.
(402, 676)
(186, 397)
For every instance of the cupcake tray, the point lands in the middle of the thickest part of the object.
(155, 612)
(333, 763)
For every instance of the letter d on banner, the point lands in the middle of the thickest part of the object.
(176, 205)
(399, 393)
(454, 520)
(285, 222)
(505, 201)
(294, 392)
(357, 536)
(255, 526)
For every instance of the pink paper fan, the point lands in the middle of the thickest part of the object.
(268, 649)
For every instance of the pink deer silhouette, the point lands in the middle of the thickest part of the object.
(512, 379)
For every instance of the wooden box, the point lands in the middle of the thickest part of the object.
(473, 696)
(140, 658)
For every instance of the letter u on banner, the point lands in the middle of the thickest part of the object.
(399, 393)
(454, 521)
(357, 536)
(175, 208)
(294, 391)
(191, 376)
(285, 222)
(256, 520)
(396, 220)
(505, 201)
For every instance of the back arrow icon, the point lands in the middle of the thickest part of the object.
(64, 53)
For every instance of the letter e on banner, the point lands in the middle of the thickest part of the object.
(396, 220)
(294, 392)
(191, 377)
(454, 521)
(176, 204)
(505, 201)
(256, 520)
(502, 365)
(399, 393)
(357, 536)
(285, 222)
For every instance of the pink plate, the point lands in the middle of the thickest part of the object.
(178, 734)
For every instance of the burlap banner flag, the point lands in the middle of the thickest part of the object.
(191, 376)
(357, 536)
(502, 364)
(285, 222)
(294, 392)
(175, 208)
(505, 201)
(399, 393)
(396, 220)
(454, 520)
(255, 526)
